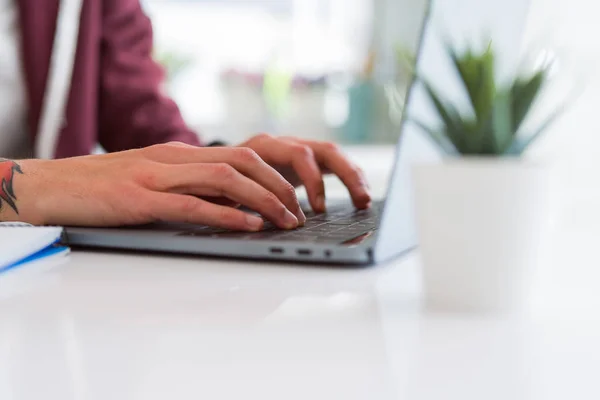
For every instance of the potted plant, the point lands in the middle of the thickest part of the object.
(482, 212)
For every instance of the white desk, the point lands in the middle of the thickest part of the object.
(118, 326)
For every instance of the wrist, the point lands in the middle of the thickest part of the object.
(18, 198)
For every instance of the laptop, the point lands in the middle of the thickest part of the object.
(343, 235)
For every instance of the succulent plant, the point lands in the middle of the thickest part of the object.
(494, 126)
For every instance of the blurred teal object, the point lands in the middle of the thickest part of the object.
(359, 124)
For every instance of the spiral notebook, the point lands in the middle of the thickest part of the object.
(20, 245)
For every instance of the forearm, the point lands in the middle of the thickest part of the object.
(11, 202)
(178, 183)
(172, 182)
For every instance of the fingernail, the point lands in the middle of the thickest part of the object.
(290, 221)
(254, 223)
(301, 217)
(366, 191)
(321, 202)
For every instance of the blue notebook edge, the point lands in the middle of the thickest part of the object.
(54, 250)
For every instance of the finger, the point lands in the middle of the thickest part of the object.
(249, 163)
(222, 201)
(330, 157)
(302, 159)
(243, 159)
(181, 208)
(222, 180)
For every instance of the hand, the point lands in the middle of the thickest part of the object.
(306, 161)
(171, 182)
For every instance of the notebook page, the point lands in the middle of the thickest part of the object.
(17, 243)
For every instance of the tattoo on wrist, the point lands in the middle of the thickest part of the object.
(8, 169)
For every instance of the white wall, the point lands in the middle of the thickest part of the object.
(571, 30)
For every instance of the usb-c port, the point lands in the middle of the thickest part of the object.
(304, 252)
(276, 250)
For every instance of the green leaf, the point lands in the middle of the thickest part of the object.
(519, 145)
(472, 142)
(445, 111)
(524, 93)
(477, 76)
(503, 134)
(467, 70)
(449, 115)
(486, 90)
(498, 112)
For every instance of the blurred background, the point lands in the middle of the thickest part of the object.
(312, 68)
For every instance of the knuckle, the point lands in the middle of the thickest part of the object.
(246, 154)
(223, 171)
(146, 175)
(188, 205)
(158, 149)
(229, 217)
(303, 151)
(330, 146)
(264, 136)
(174, 144)
(356, 170)
(187, 209)
(290, 192)
(271, 201)
(151, 150)
(163, 146)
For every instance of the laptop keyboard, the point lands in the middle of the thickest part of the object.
(339, 225)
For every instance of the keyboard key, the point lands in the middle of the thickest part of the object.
(312, 224)
(323, 229)
(346, 221)
(362, 225)
(328, 218)
(371, 220)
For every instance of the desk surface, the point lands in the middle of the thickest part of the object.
(125, 326)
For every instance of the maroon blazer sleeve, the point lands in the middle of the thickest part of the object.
(134, 112)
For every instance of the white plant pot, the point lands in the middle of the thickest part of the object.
(481, 222)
